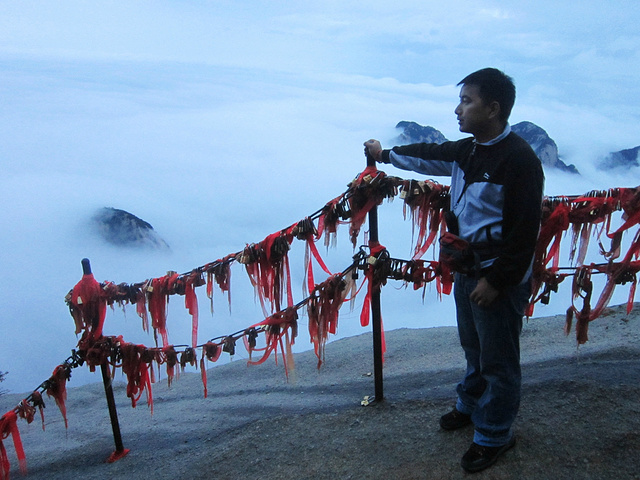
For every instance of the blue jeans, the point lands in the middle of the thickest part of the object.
(490, 338)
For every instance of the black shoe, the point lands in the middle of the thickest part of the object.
(479, 457)
(454, 420)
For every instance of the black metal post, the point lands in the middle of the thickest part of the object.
(376, 317)
(108, 390)
(113, 414)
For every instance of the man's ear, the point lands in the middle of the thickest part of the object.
(494, 110)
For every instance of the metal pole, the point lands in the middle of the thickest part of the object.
(113, 414)
(108, 390)
(376, 317)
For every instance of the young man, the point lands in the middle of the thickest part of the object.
(496, 195)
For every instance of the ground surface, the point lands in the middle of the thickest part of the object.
(579, 419)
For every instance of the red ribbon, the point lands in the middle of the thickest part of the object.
(58, 390)
(311, 247)
(375, 249)
(157, 296)
(322, 310)
(277, 328)
(88, 307)
(135, 367)
(360, 210)
(191, 304)
(8, 426)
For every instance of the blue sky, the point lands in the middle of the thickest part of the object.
(220, 122)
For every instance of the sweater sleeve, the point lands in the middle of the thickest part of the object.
(426, 158)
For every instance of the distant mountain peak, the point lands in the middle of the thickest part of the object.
(415, 133)
(627, 158)
(543, 145)
(124, 229)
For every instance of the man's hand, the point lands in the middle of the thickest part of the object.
(373, 149)
(484, 294)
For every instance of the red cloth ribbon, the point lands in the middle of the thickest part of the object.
(191, 304)
(311, 252)
(322, 310)
(88, 307)
(8, 426)
(136, 369)
(276, 328)
(267, 265)
(362, 200)
(220, 272)
(170, 357)
(630, 203)
(157, 295)
(426, 201)
(375, 249)
(58, 390)
(141, 309)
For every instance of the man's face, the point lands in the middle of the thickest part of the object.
(474, 116)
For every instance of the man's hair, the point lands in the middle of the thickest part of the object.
(494, 85)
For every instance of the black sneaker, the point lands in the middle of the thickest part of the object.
(454, 420)
(479, 457)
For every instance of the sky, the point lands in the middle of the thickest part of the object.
(221, 122)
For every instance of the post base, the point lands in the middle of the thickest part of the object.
(117, 455)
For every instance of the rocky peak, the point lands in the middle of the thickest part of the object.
(415, 133)
(623, 159)
(543, 145)
(122, 228)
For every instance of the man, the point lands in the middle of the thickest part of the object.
(496, 195)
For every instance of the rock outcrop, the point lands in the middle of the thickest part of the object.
(415, 133)
(124, 229)
(623, 159)
(543, 145)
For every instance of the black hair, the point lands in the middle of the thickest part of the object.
(494, 85)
